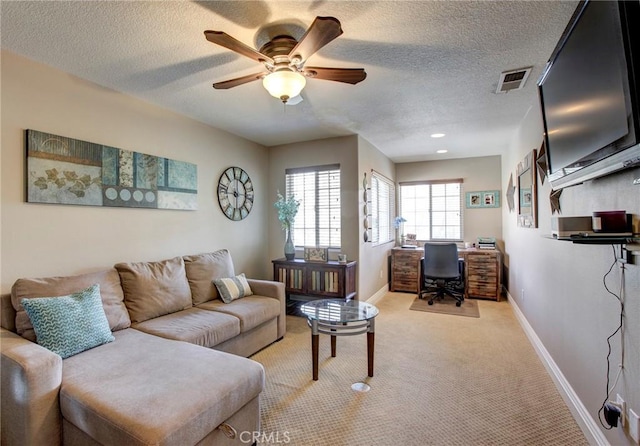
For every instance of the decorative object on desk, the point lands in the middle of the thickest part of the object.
(314, 254)
(235, 193)
(411, 240)
(287, 210)
(554, 199)
(62, 170)
(398, 223)
(542, 163)
(483, 199)
(527, 202)
(511, 190)
(342, 258)
(468, 307)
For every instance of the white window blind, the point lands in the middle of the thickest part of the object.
(433, 209)
(382, 209)
(318, 220)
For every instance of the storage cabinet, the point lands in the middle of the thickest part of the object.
(483, 269)
(405, 269)
(316, 279)
(483, 274)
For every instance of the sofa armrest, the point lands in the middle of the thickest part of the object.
(275, 290)
(31, 379)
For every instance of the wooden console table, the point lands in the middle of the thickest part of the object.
(483, 271)
(316, 279)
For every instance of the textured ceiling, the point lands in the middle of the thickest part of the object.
(432, 66)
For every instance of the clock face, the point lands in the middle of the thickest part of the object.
(235, 193)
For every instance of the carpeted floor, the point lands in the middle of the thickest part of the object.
(439, 380)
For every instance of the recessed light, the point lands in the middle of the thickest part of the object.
(442, 151)
(437, 135)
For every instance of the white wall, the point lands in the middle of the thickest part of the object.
(43, 240)
(374, 267)
(565, 301)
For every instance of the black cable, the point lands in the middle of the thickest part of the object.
(604, 281)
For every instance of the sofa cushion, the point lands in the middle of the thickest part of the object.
(202, 269)
(201, 327)
(110, 292)
(252, 311)
(71, 324)
(232, 288)
(153, 289)
(154, 391)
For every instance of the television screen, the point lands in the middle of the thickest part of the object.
(589, 97)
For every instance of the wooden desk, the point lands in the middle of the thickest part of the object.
(483, 271)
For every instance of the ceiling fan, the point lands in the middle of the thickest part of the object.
(284, 75)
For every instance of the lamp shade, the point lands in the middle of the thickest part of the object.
(284, 84)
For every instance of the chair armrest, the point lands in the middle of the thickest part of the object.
(31, 379)
(275, 290)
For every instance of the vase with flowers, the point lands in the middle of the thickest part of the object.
(287, 210)
(398, 223)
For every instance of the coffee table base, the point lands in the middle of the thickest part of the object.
(341, 329)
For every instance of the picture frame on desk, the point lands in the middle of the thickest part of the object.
(315, 254)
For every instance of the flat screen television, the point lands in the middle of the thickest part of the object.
(590, 94)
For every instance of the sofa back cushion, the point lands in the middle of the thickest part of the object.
(202, 269)
(153, 289)
(110, 293)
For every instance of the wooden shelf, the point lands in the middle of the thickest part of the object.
(316, 279)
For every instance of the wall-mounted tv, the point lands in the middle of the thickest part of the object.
(590, 94)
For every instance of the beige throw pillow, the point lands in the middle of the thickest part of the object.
(202, 269)
(153, 289)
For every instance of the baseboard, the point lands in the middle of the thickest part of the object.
(587, 423)
(379, 294)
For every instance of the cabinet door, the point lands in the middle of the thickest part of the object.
(326, 281)
(291, 276)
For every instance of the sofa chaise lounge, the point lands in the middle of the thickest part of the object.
(174, 373)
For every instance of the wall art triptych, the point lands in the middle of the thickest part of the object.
(63, 170)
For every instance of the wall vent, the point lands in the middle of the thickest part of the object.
(513, 80)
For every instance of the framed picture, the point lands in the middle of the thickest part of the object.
(483, 199)
(316, 254)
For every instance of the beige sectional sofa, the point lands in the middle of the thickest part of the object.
(176, 372)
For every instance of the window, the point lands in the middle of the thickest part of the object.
(382, 209)
(433, 209)
(318, 220)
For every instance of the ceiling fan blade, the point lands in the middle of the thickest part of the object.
(239, 81)
(322, 31)
(225, 40)
(346, 75)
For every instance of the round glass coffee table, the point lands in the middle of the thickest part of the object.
(337, 317)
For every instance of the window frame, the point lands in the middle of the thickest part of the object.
(377, 214)
(333, 211)
(431, 183)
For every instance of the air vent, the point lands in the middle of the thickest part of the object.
(513, 80)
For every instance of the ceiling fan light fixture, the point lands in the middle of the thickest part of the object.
(284, 84)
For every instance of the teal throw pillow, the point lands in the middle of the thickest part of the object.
(68, 325)
(233, 288)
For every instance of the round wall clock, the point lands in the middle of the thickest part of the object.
(235, 193)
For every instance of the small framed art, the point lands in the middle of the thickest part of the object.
(316, 254)
(483, 199)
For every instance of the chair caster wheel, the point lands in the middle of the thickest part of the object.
(458, 303)
(430, 302)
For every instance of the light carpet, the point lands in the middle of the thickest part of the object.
(439, 380)
(469, 307)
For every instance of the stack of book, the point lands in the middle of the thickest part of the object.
(486, 242)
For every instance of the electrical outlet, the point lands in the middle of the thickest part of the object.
(381, 274)
(623, 410)
(634, 426)
(522, 294)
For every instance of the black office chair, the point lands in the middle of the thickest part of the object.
(442, 273)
